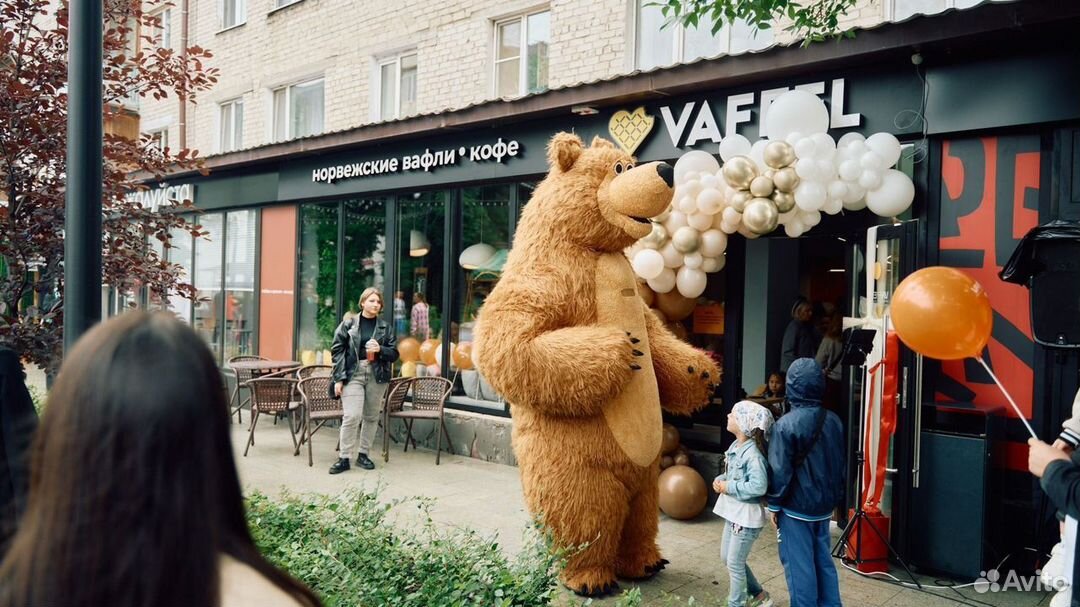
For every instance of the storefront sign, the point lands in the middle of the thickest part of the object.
(427, 161)
(709, 319)
(696, 121)
(629, 129)
(153, 199)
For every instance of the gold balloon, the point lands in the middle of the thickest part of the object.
(657, 238)
(739, 200)
(784, 201)
(739, 172)
(674, 305)
(646, 293)
(786, 180)
(761, 216)
(666, 462)
(761, 186)
(779, 154)
(686, 239)
(683, 493)
(670, 440)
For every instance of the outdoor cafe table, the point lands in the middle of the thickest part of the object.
(264, 367)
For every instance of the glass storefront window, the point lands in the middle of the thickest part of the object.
(485, 242)
(180, 253)
(317, 273)
(421, 251)
(364, 251)
(209, 306)
(239, 301)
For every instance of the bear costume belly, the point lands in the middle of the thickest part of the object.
(633, 416)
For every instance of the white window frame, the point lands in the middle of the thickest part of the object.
(279, 4)
(233, 144)
(240, 10)
(396, 62)
(889, 8)
(162, 32)
(287, 109)
(523, 57)
(678, 41)
(162, 136)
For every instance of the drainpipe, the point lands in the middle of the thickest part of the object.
(183, 58)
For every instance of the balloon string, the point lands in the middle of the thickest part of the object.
(1019, 414)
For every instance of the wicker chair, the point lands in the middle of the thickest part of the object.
(314, 371)
(242, 376)
(318, 407)
(429, 399)
(271, 395)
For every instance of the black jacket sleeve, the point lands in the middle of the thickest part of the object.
(339, 351)
(388, 348)
(1061, 482)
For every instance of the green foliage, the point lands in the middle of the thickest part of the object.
(38, 397)
(812, 21)
(350, 551)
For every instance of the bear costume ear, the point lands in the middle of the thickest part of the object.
(597, 142)
(563, 151)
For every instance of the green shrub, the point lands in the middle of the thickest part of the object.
(350, 552)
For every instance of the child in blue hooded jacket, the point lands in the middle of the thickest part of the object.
(740, 488)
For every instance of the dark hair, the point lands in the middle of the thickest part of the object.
(758, 436)
(134, 494)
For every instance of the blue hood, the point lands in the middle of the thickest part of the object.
(805, 383)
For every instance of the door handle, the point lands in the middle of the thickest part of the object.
(917, 459)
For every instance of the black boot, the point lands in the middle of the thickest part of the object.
(364, 462)
(340, 466)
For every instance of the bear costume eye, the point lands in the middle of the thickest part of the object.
(621, 167)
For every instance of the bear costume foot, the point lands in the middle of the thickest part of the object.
(595, 591)
(643, 573)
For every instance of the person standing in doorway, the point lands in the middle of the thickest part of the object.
(399, 313)
(420, 328)
(363, 351)
(828, 356)
(801, 339)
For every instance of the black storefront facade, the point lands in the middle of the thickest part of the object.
(986, 99)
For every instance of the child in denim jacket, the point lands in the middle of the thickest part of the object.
(741, 487)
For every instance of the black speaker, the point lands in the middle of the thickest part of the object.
(1055, 294)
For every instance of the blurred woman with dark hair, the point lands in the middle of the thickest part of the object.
(18, 420)
(134, 495)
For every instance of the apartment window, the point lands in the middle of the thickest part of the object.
(659, 46)
(159, 139)
(161, 31)
(233, 13)
(232, 125)
(521, 54)
(902, 9)
(284, 3)
(397, 86)
(298, 110)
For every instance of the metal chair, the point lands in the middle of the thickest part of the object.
(271, 395)
(242, 376)
(317, 406)
(428, 402)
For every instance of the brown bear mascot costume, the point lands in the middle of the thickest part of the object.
(584, 364)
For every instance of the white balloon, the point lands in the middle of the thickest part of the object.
(734, 145)
(854, 194)
(697, 161)
(810, 218)
(717, 221)
(757, 154)
(856, 205)
(692, 260)
(675, 220)
(804, 148)
(663, 283)
(796, 110)
(810, 195)
(728, 228)
(691, 282)
(837, 189)
(826, 170)
(806, 169)
(794, 137)
(786, 218)
(710, 201)
(713, 243)
(713, 264)
(850, 170)
(847, 138)
(712, 182)
(731, 216)
(748, 234)
(672, 257)
(699, 221)
(833, 206)
(872, 160)
(856, 147)
(893, 197)
(686, 203)
(870, 179)
(793, 229)
(663, 216)
(824, 146)
(648, 263)
(885, 145)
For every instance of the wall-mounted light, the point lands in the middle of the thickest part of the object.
(419, 245)
(584, 110)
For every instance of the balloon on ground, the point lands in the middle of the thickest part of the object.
(683, 493)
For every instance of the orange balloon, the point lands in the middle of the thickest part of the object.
(408, 350)
(427, 351)
(683, 494)
(942, 313)
(463, 355)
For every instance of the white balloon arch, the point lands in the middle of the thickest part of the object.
(788, 180)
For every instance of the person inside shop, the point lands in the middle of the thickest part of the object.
(801, 338)
(829, 353)
(18, 421)
(363, 352)
(134, 494)
(772, 388)
(399, 313)
(420, 328)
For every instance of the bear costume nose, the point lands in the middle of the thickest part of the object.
(666, 173)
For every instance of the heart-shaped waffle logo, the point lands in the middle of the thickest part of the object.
(629, 129)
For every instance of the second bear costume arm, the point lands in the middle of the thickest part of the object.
(685, 375)
(533, 359)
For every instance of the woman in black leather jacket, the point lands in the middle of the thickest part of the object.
(363, 351)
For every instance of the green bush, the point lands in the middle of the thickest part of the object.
(348, 550)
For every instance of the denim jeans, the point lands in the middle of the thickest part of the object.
(734, 549)
(808, 565)
(362, 400)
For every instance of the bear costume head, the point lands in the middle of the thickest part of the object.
(603, 201)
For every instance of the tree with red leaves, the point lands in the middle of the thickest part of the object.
(33, 127)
